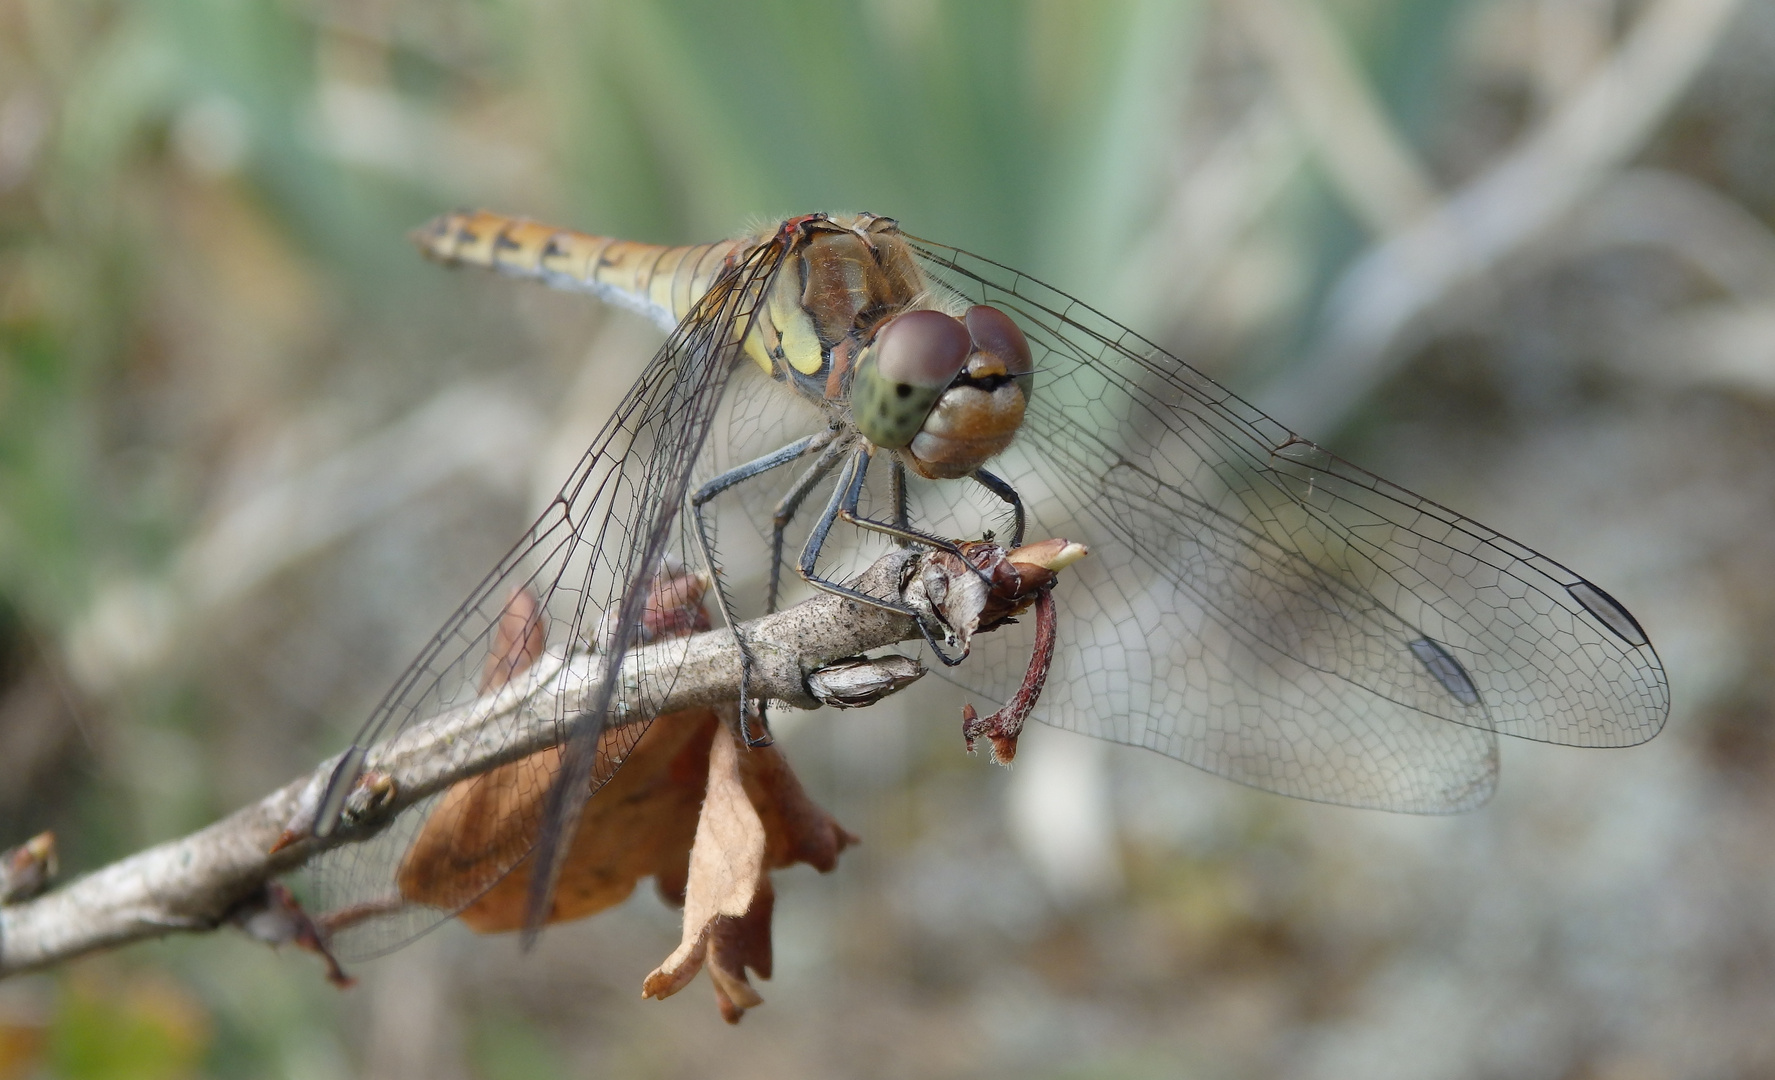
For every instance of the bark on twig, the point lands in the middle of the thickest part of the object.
(195, 882)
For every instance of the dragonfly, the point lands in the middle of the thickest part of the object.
(1251, 604)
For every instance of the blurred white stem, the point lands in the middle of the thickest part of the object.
(1371, 166)
(1729, 342)
(1209, 211)
(1571, 39)
(281, 518)
(1387, 290)
(1061, 816)
(1671, 212)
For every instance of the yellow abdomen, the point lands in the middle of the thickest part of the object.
(661, 282)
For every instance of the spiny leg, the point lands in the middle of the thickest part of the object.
(790, 504)
(846, 493)
(843, 504)
(739, 475)
(897, 492)
(1003, 489)
(899, 530)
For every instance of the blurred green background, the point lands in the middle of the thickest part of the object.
(1515, 254)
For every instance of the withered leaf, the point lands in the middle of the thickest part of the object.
(640, 825)
(736, 944)
(704, 816)
(729, 898)
(726, 864)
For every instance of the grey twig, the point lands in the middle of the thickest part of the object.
(196, 882)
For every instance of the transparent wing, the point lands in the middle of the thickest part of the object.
(1261, 609)
(589, 561)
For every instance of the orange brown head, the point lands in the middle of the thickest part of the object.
(947, 393)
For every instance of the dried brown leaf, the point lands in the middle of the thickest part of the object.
(736, 944)
(641, 824)
(726, 866)
(796, 828)
(705, 817)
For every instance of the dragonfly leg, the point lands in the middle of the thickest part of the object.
(776, 459)
(789, 506)
(732, 477)
(739, 474)
(1002, 488)
(850, 485)
(897, 491)
(843, 504)
(904, 533)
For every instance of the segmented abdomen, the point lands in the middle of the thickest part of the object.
(661, 282)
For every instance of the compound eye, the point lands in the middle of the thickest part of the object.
(923, 349)
(995, 333)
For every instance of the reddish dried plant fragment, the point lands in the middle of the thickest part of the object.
(1014, 581)
(274, 916)
(1004, 726)
(28, 869)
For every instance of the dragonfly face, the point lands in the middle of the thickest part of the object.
(948, 393)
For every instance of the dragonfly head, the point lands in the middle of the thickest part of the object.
(947, 393)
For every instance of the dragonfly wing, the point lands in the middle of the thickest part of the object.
(589, 560)
(1262, 609)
